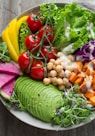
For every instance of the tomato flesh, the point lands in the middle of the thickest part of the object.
(49, 52)
(34, 22)
(32, 42)
(47, 32)
(24, 61)
(37, 71)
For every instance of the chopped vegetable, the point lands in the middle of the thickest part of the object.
(10, 68)
(39, 100)
(7, 90)
(75, 109)
(12, 52)
(13, 36)
(4, 53)
(73, 25)
(87, 52)
(23, 33)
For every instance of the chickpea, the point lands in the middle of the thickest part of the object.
(53, 73)
(67, 73)
(59, 68)
(70, 68)
(54, 80)
(59, 54)
(54, 66)
(71, 57)
(59, 81)
(65, 81)
(58, 62)
(46, 81)
(50, 66)
(52, 60)
(61, 87)
(61, 74)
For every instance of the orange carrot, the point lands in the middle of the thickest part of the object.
(73, 77)
(92, 100)
(93, 63)
(93, 86)
(85, 66)
(93, 73)
(80, 64)
(89, 94)
(88, 71)
(79, 80)
(82, 74)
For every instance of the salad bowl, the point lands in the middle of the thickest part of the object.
(25, 116)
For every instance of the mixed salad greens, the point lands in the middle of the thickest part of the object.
(54, 49)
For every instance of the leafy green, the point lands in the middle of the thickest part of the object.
(75, 109)
(4, 53)
(23, 33)
(15, 103)
(72, 23)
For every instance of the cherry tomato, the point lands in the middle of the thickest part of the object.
(49, 52)
(37, 71)
(34, 22)
(32, 42)
(48, 31)
(24, 61)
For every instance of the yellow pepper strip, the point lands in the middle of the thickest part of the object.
(12, 52)
(19, 22)
(13, 36)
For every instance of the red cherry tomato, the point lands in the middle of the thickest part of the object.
(37, 71)
(49, 52)
(48, 31)
(34, 22)
(32, 42)
(24, 61)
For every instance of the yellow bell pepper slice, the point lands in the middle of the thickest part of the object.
(19, 22)
(13, 36)
(12, 52)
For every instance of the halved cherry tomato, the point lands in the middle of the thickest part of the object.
(24, 61)
(34, 22)
(49, 52)
(37, 71)
(32, 42)
(47, 32)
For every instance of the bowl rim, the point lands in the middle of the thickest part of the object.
(16, 114)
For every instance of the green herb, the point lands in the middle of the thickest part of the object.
(23, 33)
(4, 53)
(75, 109)
(14, 103)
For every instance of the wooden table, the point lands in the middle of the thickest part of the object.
(9, 125)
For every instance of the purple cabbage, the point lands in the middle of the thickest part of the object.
(86, 53)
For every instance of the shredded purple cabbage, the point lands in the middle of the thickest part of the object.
(86, 53)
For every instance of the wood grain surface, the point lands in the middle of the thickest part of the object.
(9, 125)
